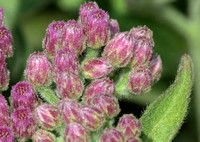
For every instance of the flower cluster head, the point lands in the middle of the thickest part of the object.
(72, 87)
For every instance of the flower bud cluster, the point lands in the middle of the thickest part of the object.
(85, 88)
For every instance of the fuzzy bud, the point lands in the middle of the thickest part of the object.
(51, 40)
(142, 52)
(65, 61)
(43, 136)
(114, 27)
(129, 126)
(85, 9)
(70, 86)
(136, 139)
(140, 80)
(156, 66)
(38, 70)
(119, 50)
(108, 104)
(4, 112)
(73, 37)
(1, 17)
(69, 110)
(23, 95)
(6, 41)
(4, 76)
(112, 135)
(92, 118)
(23, 123)
(47, 116)
(96, 68)
(6, 134)
(102, 86)
(97, 29)
(75, 132)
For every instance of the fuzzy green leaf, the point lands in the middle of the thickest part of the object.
(164, 117)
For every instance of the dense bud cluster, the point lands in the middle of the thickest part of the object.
(75, 95)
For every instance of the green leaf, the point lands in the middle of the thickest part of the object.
(164, 117)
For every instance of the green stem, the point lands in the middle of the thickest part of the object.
(91, 53)
(48, 95)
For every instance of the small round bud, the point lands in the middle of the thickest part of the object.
(136, 139)
(1, 17)
(108, 104)
(51, 40)
(72, 37)
(6, 41)
(114, 27)
(65, 61)
(129, 126)
(47, 116)
(4, 112)
(75, 132)
(38, 70)
(96, 68)
(23, 95)
(97, 29)
(92, 118)
(102, 86)
(69, 110)
(23, 123)
(6, 134)
(70, 86)
(142, 52)
(119, 50)
(85, 9)
(112, 135)
(156, 66)
(140, 80)
(43, 136)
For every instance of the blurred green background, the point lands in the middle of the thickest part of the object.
(175, 25)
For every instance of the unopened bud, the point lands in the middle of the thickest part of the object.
(38, 70)
(114, 27)
(4, 73)
(119, 50)
(51, 40)
(23, 95)
(4, 112)
(43, 136)
(112, 135)
(140, 80)
(6, 134)
(97, 29)
(96, 68)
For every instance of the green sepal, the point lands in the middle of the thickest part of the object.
(164, 117)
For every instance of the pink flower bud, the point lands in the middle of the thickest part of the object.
(140, 80)
(112, 135)
(4, 112)
(73, 37)
(38, 70)
(50, 42)
(108, 104)
(85, 9)
(114, 27)
(129, 126)
(23, 123)
(5, 74)
(75, 132)
(92, 118)
(142, 32)
(65, 60)
(47, 116)
(1, 17)
(102, 86)
(23, 95)
(136, 139)
(119, 50)
(142, 52)
(69, 110)
(96, 68)
(156, 66)
(97, 29)
(69, 86)
(43, 136)
(6, 134)
(6, 41)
